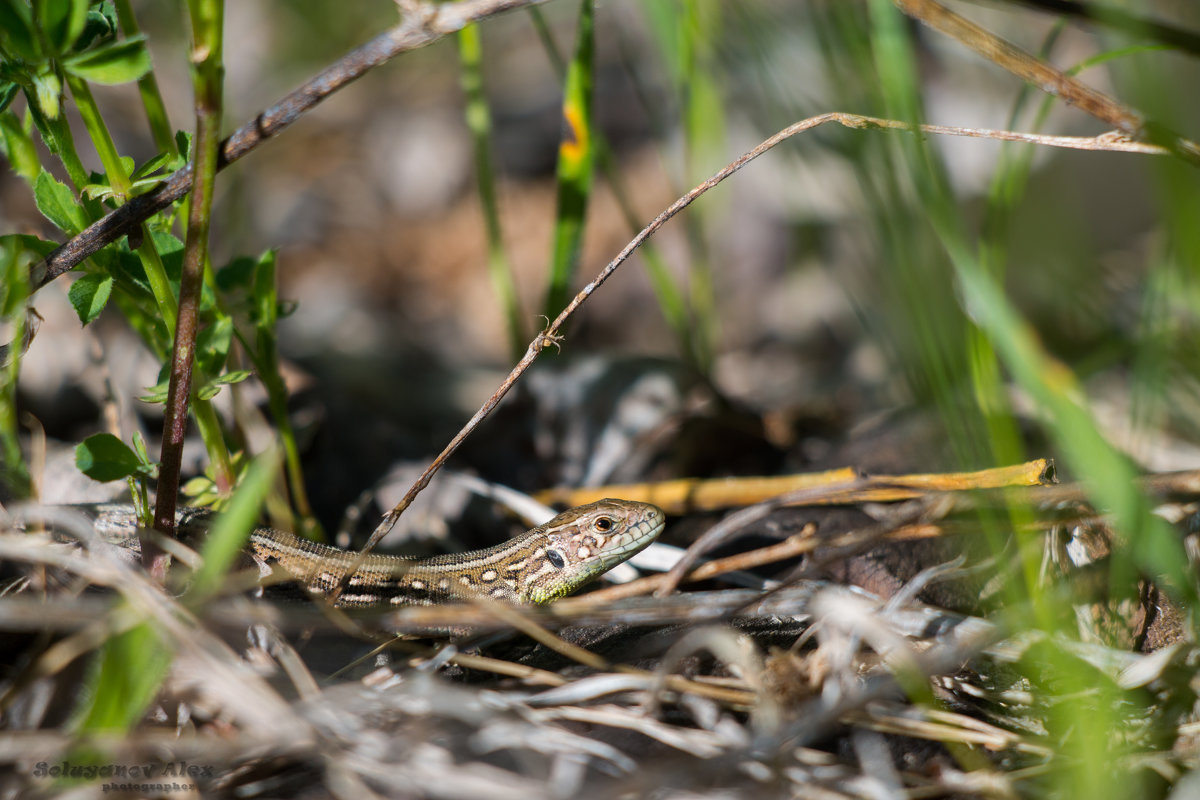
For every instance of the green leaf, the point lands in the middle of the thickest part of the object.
(16, 31)
(156, 393)
(139, 446)
(104, 457)
(27, 241)
(213, 387)
(183, 141)
(119, 62)
(150, 167)
(170, 250)
(195, 486)
(231, 528)
(101, 24)
(61, 21)
(479, 122)
(57, 203)
(89, 295)
(18, 147)
(101, 187)
(98, 191)
(14, 274)
(266, 295)
(232, 377)
(129, 271)
(144, 185)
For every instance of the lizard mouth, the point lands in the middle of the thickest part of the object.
(641, 533)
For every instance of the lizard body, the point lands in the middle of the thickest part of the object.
(538, 566)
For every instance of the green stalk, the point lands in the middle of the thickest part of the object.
(265, 358)
(479, 122)
(61, 144)
(156, 276)
(987, 376)
(209, 426)
(308, 525)
(118, 178)
(156, 110)
(685, 32)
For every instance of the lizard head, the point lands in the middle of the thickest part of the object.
(580, 544)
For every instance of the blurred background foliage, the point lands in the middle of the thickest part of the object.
(822, 285)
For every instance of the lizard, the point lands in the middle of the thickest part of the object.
(536, 567)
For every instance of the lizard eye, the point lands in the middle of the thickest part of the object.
(555, 558)
(604, 524)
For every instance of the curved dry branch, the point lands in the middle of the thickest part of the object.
(551, 336)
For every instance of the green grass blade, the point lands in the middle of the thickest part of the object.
(576, 155)
(669, 293)
(1087, 751)
(231, 529)
(479, 122)
(126, 674)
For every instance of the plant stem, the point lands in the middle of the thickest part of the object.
(207, 18)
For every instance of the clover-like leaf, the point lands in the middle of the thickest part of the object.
(89, 295)
(104, 457)
(61, 21)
